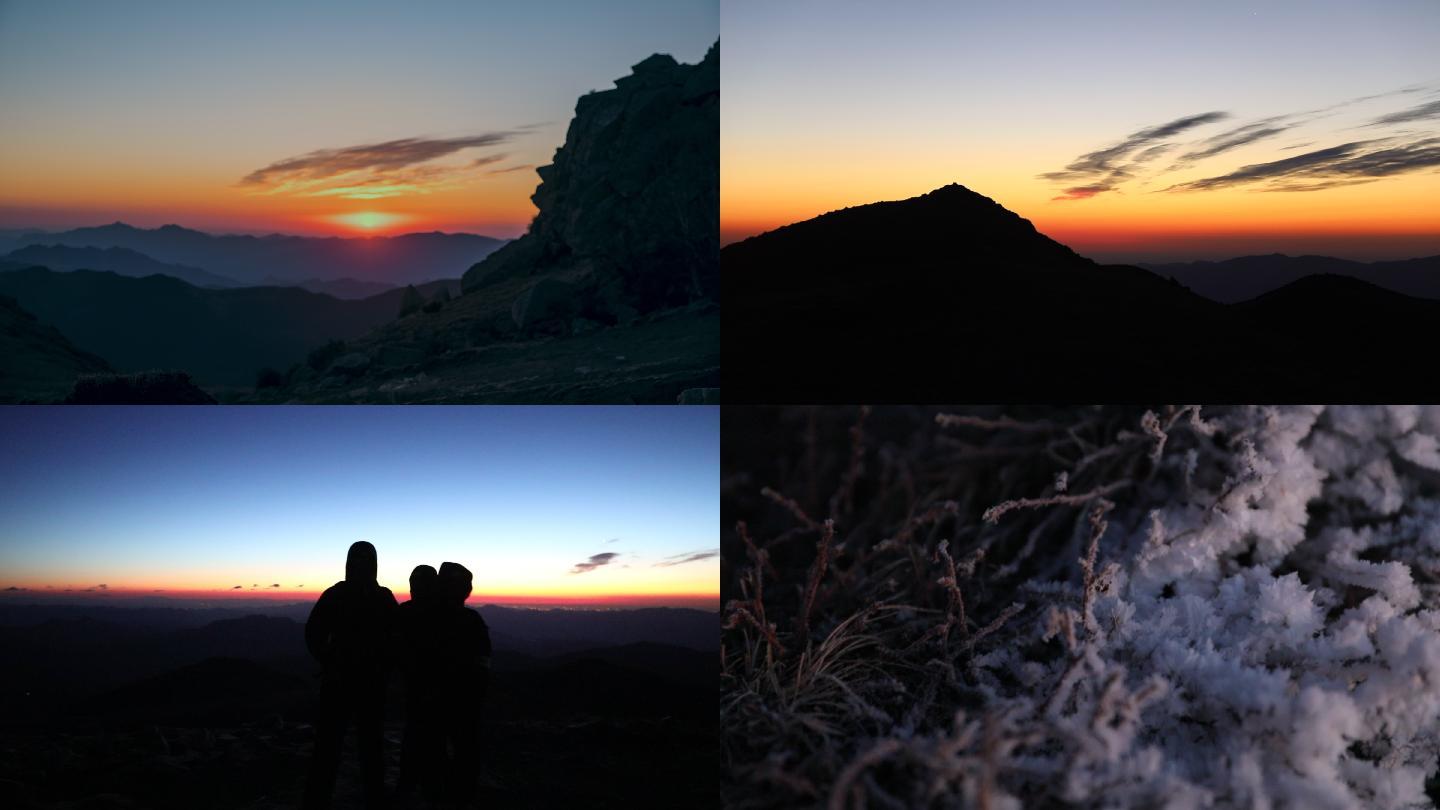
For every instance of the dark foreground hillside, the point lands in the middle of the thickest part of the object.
(950, 297)
(113, 709)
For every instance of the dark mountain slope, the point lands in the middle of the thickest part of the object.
(943, 296)
(949, 297)
(120, 261)
(411, 258)
(220, 336)
(1246, 277)
(37, 362)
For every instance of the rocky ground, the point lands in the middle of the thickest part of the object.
(469, 351)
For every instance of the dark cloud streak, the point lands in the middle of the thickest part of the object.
(1236, 138)
(1103, 161)
(397, 154)
(681, 559)
(1420, 113)
(1346, 163)
(595, 561)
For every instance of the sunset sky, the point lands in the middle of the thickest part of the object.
(1130, 131)
(315, 117)
(546, 505)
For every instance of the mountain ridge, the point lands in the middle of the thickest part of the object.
(1244, 277)
(942, 297)
(398, 260)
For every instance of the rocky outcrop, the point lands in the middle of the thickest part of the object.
(629, 210)
(410, 300)
(547, 300)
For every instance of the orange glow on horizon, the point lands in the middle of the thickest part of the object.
(204, 197)
(1390, 219)
(699, 600)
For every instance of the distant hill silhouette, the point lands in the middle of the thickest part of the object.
(218, 336)
(118, 260)
(37, 362)
(949, 296)
(411, 258)
(1240, 279)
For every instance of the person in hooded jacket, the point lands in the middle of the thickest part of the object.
(350, 632)
(463, 674)
(418, 646)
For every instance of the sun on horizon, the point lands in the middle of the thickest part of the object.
(371, 222)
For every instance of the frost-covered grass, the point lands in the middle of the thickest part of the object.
(1172, 607)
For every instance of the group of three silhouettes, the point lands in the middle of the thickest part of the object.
(356, 631)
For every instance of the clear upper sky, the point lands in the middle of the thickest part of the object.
(434, 113)
(840, 102)
(199, 500)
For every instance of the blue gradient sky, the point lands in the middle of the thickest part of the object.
(150, 111)
(202, 499)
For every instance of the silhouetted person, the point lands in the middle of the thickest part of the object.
(419, 754)
(350, 632)
(463, 674)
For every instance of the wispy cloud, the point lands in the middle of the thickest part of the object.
(1344, 164)
(1109, 168)
(1107, 160)
(509, 169)
(1084, 192)
(1104, 169)
(370, 171)
(1421, 113)
(1236, 138)
(681, 559)
(595, 561)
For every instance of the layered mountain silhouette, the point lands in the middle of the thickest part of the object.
(118, 260)
(949, 296)
(1240, 279)
(610, 296)
(219, 336)
(408, 259)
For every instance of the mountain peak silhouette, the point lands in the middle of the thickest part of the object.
(947, 225)
(949, 296)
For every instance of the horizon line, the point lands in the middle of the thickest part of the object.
(254, 234)
(705, 601)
